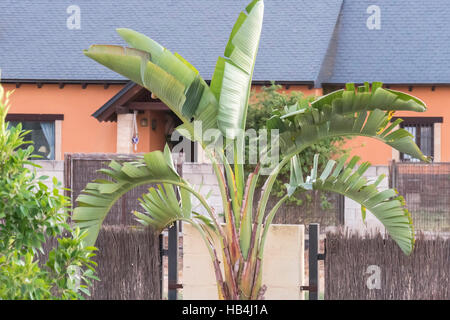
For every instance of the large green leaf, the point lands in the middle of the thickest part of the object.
(368, 97)
(160, 56)
(340, 114)
(348, 113)
(386, 205)
(231, 85)
(232, 77)
(375, 124)
(98, 197)
(162, 207)
(125, 61)
(169, 76)
(136, 65)
(200, 102)
(350, 100)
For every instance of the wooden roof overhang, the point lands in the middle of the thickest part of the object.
(132, 97)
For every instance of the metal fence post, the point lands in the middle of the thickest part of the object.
(313, 262)
(314, 257)
(162, 253)
(341, 210)
(172, 250)
(173, 262)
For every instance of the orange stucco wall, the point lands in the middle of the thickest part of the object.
(83, 133)
(438, 103)
(80, 131)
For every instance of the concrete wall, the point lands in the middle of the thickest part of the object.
(124, 133)
(282, 268)
(352, 214)
(202, 177)
(51, 168)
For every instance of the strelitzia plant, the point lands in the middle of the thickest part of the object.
(354, 111)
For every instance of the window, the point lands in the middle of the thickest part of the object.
(42, 133)
(423, 135)
(43, 136)
(423, 131)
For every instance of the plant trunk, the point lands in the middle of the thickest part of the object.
(241, 281)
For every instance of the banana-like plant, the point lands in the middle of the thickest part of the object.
(362, 111)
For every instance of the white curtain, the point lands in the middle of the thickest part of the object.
(412, 130)
(48, 128)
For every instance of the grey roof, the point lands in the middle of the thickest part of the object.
(36, 43)
(324, 41)
(411, 46)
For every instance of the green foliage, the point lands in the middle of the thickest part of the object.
(67, 273)
(308, 128)
(98, 197)
(273, 99)
(31, 213)
(337, 177)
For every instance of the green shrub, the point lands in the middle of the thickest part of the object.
(31, 214)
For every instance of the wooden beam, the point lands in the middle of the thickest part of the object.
(109, 114)
(143, 106)
(33, 117)
(419, 120)
(122, 110)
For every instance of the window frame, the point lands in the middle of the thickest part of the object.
(19, 117)
(418, 123)
(55, 118)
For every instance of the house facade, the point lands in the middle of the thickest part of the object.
(74, 105)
